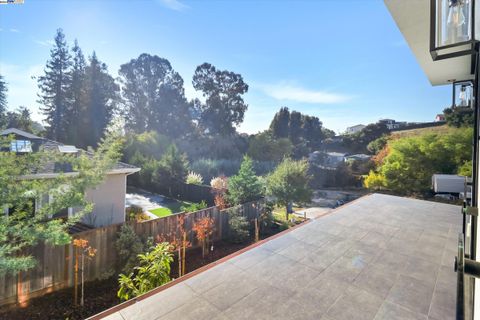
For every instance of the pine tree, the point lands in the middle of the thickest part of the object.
(279, 125)
(54, 88)
(244, 186)
(3, 101)
(102, 96)
(75, 116)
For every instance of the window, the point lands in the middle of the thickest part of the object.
(21, 146)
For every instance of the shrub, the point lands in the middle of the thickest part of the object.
(128, 246)
(194, 207)
(266, 220)
(238, 227)
(135, 213)
(219, 183)
(194, 178)
(153, 271)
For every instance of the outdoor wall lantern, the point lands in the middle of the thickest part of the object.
(452, 28)
(462, 95)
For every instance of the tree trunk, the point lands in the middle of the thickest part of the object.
(83, 279)
(179, 261)
(183, 253)
(75, 279)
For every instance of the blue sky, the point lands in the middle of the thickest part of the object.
(343, 61)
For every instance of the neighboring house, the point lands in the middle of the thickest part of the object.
(440, 118)
(326, 160)
(108, 197)
(392, 124)
(355, 129)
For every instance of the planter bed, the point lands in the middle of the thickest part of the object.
(102, 294)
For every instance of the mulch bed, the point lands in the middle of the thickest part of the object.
(101, 295)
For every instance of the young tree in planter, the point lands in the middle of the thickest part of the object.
(244, 186)
(153, 271)
(203, 229)
(289, 183)
(24, 227)
(82, 249)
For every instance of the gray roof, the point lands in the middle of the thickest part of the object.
(380, 257)
(52, 146)
(20, 133)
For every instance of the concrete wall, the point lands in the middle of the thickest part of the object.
(109, 201)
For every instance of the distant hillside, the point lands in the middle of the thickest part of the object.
(416, 132)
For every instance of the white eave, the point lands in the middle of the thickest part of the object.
(413, 19)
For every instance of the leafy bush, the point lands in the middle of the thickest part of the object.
(211, 168)
(194, 207)
(411, 161)
(266, 220)
(153, 271)
(128, 246)
(194, 178)
(238, 227)
(135, 213)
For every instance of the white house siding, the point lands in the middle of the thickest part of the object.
(109, 201)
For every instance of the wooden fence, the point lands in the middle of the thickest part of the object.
(55, 264)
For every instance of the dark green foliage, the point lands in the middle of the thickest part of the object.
(128, 246)
(238, 227)
(266, 219)
(76, 118)
(224, 107)
(357, 143)
(20, 119)
(154, 97)
(244, 186)
(172, 169)
(3, 100)
(264, 147)
(305, 132)
(211, 168)
(194, 207)
(378, 144)
(280, 123)
(102, 96)
(459, 117)
(54, 88)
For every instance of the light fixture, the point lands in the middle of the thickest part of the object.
(452, 28)
(462, 95)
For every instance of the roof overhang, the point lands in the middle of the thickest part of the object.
(413, 19)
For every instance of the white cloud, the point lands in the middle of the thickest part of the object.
(14, 30)
(45, 43)
(173, 4)
(291, 92)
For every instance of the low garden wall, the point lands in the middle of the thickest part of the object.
(55, 264)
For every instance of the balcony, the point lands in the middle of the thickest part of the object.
(380, 257)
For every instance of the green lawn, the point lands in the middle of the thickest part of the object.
(171, 207)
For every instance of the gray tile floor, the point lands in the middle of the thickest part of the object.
(381, 257)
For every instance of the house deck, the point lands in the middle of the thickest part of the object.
(380, 257)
